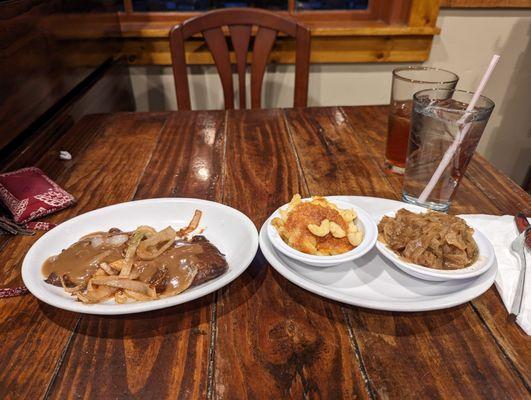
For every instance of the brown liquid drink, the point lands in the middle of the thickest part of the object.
(398, 134)
(407, 81)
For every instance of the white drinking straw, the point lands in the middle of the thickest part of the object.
(461, 134)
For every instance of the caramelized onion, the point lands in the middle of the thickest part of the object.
(136, 295)
(118, 264)
(192, 226)
(97, 296)
(130, 253)
(141, 265)
(120, 297)
(100, 293)
(109, 240)
(107, 269)
(134, 273)
(73, 289)
(125, 283)
(100, 257)
(433, 239)
(156, 245)
(100, 272)
(148, 231)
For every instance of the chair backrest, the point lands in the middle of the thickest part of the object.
(240, 23)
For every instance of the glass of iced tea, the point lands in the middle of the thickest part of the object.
(407, 81)
(439, 116)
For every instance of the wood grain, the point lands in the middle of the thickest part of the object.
(27, 357)
(401, 32)
(99, 26)
(213, 28)
(382, 19)
(24, 357)
(263, 43)
(76, 142)
(217, 45)
(261, 336)
(334, 157)
(164, 353)
(392, 340)
(108, 91)
(372, 121)
(325, 49)
(423, 12)
(484, 190)
(275, 340)
(240, 36)
(33, 77)
(505, 194)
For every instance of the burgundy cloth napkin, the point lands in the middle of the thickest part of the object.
(28, 194)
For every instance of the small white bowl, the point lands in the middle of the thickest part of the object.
(364, 222)
(485, 259)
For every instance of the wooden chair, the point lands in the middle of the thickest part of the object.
(240, 22)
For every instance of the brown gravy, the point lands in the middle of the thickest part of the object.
(185, 264)
(80, 260)
(178, 261)
(188, 263)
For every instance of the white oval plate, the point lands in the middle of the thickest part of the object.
(373, 281)
(364, 222)
(482, 264)
(231, 231)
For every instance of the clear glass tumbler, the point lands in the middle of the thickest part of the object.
(439, 117)
(407, 81)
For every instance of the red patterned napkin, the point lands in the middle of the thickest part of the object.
(30, 194)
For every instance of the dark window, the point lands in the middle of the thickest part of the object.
(84, 6)
(331, 4)
(203, 5)
(269, 4)
(161, 5)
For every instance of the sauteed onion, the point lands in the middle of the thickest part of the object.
(433, 239)
(140, 265)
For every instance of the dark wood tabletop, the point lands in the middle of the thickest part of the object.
(260, 337)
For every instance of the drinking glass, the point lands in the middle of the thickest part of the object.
(439, 116)
(407, 81)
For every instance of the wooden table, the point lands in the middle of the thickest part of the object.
(261, 336)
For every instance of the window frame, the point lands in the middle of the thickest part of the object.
(129, 8)
(377, 10)
(401, 33)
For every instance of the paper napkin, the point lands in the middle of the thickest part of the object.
(501, 231)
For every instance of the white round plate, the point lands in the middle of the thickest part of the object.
(373, 281)
(231, 231)
(364, 222)
(482, 264)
